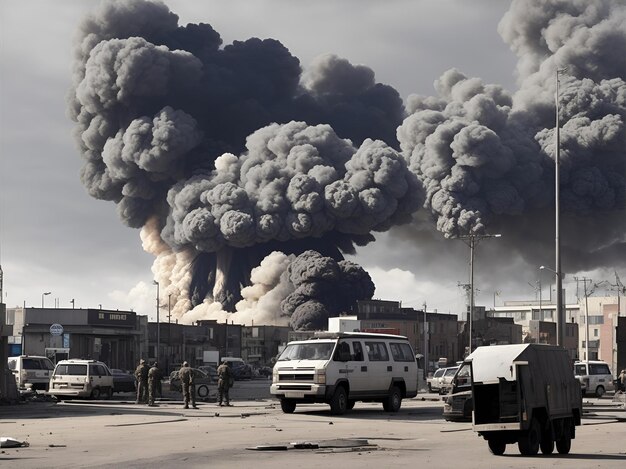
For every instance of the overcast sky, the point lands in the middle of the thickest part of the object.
(56, 238)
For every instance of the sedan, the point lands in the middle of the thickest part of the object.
(123, 381)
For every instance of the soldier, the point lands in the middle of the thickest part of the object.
(622, 380)
(224, 382)
(186, 379)
(141, 375)
(154, 378)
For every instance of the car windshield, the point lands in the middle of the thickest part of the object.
(313, 351)
(439, 372)
(450, 371)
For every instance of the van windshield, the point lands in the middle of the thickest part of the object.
(317, 351)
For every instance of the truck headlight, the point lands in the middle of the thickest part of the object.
(320, 377)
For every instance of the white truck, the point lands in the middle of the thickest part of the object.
(340, 368)
(525, 394)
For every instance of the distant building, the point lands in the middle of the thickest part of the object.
(117, 338)
(260, 344)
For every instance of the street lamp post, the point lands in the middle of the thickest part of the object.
(472, 240)
(157, 320)
(425, 345)
(560, 314)
(42, 296)
(560, 319)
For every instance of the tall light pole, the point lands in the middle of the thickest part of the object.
(472, 240)
(42, 296)
(157, 320)
(425, 345)
(560, 314)
(560, 318)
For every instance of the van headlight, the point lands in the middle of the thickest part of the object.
(320, 376)
(274, 375)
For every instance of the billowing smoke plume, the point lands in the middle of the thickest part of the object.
(232, 159)
(323, 286)
(485, 156)
(224, 155)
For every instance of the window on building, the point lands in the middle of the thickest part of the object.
(596, 319)
(595, 332)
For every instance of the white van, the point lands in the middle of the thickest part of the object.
(81, 378)
(340, 368)
(31, 371)
(595, 377)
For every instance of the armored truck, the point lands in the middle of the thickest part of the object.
(525, 394)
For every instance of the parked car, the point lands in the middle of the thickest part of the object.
(594, 376)
(458, 404)
(201, 381)
(81, 378)
(445, 382)
(31, 372)
(123, 381)
(241, 372)
(434, 380)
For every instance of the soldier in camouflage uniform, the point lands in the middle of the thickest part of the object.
(141, 375)
(224, 378)
(186, 379)
(154, 378)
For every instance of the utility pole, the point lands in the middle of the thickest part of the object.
(425, 344)
(585, 280)
(472, 241)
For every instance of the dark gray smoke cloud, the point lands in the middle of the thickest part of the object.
(486, 157)
(323, 288)
(210, 141)
(227, 153)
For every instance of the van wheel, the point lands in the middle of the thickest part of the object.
(288, 405)
(95, 393)
(600, 391)
(393, 402)
(528, 444)
(339, 401)
(496, 446)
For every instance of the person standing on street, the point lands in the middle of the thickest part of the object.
(622, 381)
(141, 375)
(186, 379)
(154, 378)
(224, 382)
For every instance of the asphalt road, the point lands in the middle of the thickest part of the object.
(119, 433)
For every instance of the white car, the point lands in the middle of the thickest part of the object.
(31, 372)
(81, 378)
(434, 381)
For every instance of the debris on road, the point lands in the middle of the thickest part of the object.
(9, 442)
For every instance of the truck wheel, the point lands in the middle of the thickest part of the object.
(393, 401)
(528, 444)
(339, 401)
(496, 446)
(600, 391)
(288, 405)
(95, 393)
(563, 445)
(547, 442)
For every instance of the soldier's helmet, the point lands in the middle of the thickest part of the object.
(185, 364)
(142, 361)
(224, 361)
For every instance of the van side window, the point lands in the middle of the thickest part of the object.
(401, 352)
(376, 351)
(342, 354)
(599, 369)
(357, 356)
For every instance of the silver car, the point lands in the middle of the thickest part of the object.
(445, 382)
